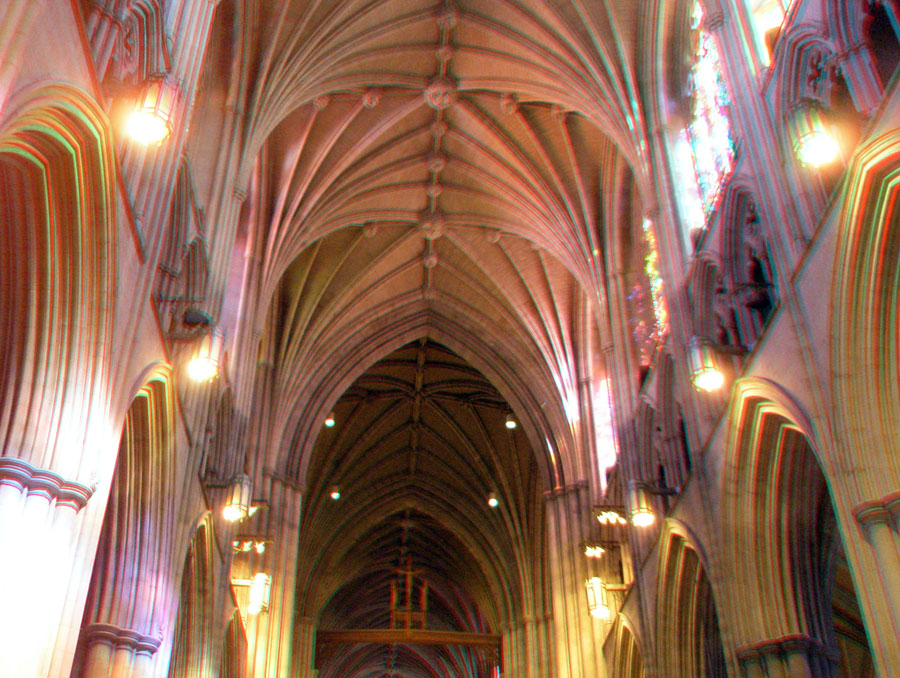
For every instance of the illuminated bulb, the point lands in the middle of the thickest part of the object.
(709, 379)
(329, 420)
(493, 502)
(151, 121)
(596, 594)
(201, 369)
(147, 128)
(232, 513)
(813, 142)
(510, 422)
(260, 547)
(642, 518)
(335, 492)
(592, 551)
(610, 518)
(817, 148)
(237, 505)
(705, 372)
(207, 355)
(260, 586)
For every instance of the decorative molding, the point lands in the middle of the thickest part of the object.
(49, 484)
(565, 489)
(116, 637)
(886, 510)
(787, 645)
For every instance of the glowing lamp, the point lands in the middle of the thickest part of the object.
(596, 594)
(329, 420)
(705, 372)
(610, 517)
(151, 121)
(237, 506)
(814, 144)
(510, 422)
(594, 550)
(260, 587)
(639, 506)
(335, 493)
(204, 364)
(493, 502)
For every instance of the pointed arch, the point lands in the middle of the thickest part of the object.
(778, 496)
(626, 660)
(689, 641)
(127, 598)
(57, 275)
(193, 639)
(866, 294)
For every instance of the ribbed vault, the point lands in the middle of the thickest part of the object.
(419, 443)
(430, 188)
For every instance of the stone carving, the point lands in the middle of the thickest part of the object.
(441, 93)
(432, 225)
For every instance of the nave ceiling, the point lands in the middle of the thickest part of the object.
(432, 179)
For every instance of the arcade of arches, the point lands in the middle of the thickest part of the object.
(463, 275)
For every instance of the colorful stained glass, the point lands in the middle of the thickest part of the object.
(650, 315)
(707, 141)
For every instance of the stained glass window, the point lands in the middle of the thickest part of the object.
(650, 316)
(705, 152)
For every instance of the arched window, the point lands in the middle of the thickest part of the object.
(705, 148)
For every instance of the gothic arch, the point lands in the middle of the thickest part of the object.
(234, 649)
(57, 218)
(127, 599)
(776, 494)
(626, 660)
(866, 294)
(192, 642)
(688, 637)
(517, 384)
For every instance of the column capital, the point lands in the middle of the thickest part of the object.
(797, 642)
(48, 484)
(116, 637)
(885, 510)
(564, 490)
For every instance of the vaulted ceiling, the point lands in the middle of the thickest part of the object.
(429, 186)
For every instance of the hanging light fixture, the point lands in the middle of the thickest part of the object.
(329, 420)
(813, 142)
(151, 121)
(260, 588)
(204, 364)
(510, 422)
(335, 492)
(705, 372)
(594, 550)
(597, 601)
(493, 502)
(610, 516)
(237, 506)
(639, 506)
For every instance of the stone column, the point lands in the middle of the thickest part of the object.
(105, 27)
(270, 634)
(40, 527)
(305, 644)
(794, 656)
(112, 652)
(862, 78)
(879, 522)
(575, 648)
